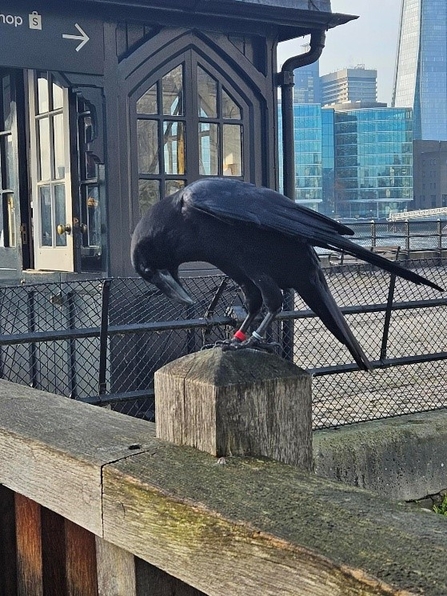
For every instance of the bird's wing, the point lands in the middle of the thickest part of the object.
(235, 201)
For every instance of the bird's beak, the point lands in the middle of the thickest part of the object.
(170, 287)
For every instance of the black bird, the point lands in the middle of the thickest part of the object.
(258, 237)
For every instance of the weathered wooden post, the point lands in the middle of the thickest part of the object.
(242, 402)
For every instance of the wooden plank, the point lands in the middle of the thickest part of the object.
(250, 527)
(116, 571)
(255, 527)
(236, 403)
(80, 561)
(53, 553)
(29, 547)
(52, 450)
(8, 558)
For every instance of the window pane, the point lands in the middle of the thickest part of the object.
(6, 93)
(209, 149)
(148, 103)
(174, 147)
(173, 186)
(45, 216)
(93, 216)
(44, 149)
(207, 91)
(43, 102)
(232, 150)
(61, 217)
(59, 153)
(172, 91)
(148, 155)
(230, 109)
(8, 180)
(58, 96)
(148, 194)
(11, 220)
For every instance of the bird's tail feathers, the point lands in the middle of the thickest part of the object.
(324, 306)
(375, 259)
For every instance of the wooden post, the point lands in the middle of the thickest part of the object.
(116, 570)
(29, 547)
(243, 402)
(80, 561)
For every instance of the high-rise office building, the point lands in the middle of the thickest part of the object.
(349, 85)
(420, 80)
(307, 87)
(355, 163)
(373, 162)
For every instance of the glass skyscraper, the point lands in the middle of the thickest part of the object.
(421, 67)
(356, 163)
(373, 162)
(308, 148)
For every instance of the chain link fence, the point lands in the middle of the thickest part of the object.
(100, 341)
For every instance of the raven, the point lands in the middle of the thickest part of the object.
(258, 237)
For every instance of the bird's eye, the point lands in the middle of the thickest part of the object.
(145, 272)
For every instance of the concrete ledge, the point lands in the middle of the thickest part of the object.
(403, 458)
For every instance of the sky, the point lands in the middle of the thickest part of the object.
(370, 40)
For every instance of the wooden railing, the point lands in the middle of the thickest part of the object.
(93, 502)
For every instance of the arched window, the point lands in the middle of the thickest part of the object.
(189, 124)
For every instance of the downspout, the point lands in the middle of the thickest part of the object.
(286, 81)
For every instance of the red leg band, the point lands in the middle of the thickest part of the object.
(240, 335)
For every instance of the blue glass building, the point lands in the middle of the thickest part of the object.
(421, 67)
(356, 163)
(308, 155)
(373, 162)
(307, 87)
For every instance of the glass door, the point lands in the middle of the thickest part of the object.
(9, 178)
(51, 181)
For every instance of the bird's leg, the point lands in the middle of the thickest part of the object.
(257, 339)
(241, 333)
(238, 338)
(259, 332)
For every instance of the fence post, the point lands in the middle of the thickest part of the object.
(373, 233)
(242, 402)
(407, 237)
(103, 337)
(116, 570)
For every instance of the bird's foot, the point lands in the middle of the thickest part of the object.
(261, 344)
(252, 343)
(225, 344)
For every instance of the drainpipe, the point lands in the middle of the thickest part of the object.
(286, 81)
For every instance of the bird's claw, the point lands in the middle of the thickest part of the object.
(225, 344)
(252, 343)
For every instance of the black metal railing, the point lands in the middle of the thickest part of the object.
(100, 341)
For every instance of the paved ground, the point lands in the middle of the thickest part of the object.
(349, 397)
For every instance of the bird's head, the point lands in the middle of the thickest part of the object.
(154, 251)
(163, 276)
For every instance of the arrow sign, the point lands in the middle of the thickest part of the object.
(83, 38)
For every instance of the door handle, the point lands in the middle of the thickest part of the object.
(63, 229)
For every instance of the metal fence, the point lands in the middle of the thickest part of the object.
(410, 235)
(101, 341)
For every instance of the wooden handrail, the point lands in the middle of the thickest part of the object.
(252, 526)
